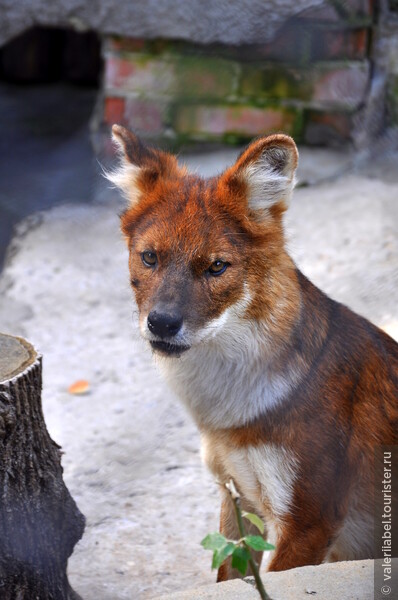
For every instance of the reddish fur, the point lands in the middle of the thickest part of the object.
(346, 402)
(187, 217)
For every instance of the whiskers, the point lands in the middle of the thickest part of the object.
(135, 322)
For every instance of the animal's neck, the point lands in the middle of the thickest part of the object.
(239, 374)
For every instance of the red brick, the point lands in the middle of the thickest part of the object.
(116, 71)
(123, 44)
(246, 121)
(114, 110)
(146, 117)
(174, 75)
(344, 86)
(139, 74)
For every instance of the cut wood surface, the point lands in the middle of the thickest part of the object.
(39, 520)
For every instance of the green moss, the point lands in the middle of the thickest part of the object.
(205, 77)
(276, 82)
(141, 59)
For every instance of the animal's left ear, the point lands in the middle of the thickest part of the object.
(267, 169)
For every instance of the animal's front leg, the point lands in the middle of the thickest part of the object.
(296, 547)
(229, 528)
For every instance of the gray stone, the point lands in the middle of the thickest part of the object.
(352, 580)
(230, 590)
(203, 21)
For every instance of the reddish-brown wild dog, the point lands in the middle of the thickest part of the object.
(291, 391)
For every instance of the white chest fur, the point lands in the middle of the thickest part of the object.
(265, 475)
(228, 378)
(222, 391)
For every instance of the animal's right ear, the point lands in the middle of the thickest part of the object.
(139, 164)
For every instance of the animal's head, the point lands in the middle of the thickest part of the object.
(202, 250)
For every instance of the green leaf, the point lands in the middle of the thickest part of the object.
(255, 520)
(258, 543)
(213, 541)
(240, 558)
(220, 555)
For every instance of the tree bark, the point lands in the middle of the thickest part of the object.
(39, 520)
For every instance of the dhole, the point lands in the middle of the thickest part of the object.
(291, 391)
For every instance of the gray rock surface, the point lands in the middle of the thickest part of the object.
(131, 452)
(352, 580)
(229, 590)
(338, 581)
(203, 21)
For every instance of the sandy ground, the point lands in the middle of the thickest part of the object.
(132, 457)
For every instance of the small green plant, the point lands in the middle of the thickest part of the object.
(239, 550)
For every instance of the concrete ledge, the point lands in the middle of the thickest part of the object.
(351, 580)
(230, 590)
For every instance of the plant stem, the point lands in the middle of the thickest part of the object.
(253, 565)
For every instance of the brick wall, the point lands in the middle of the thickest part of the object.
(310, 81)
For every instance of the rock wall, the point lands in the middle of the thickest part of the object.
(202, 21)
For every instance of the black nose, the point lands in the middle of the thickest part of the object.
(164, 325)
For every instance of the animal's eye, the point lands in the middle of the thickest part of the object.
(217, 267)
(149, 258)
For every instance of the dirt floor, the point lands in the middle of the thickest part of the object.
(132, 459)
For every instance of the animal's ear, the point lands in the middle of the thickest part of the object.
(267, 170)
(131, 148)
(139, 166)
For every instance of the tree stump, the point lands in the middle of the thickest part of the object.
(39, 520)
